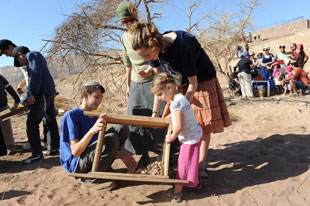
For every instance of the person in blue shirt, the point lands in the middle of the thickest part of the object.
(265, 67)
(79, 133)
(40, 97)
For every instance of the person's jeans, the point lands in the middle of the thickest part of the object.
(114, 139)
(143, 139)
(300, 85)
(43, 106)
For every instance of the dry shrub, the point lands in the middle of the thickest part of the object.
(233, 116)
(61, 102)
(112, 79)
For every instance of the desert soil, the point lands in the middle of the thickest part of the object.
(262, 159)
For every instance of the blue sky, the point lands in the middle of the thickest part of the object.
(27, 22)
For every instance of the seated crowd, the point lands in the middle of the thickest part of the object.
(284, 72)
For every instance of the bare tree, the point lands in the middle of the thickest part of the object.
(88, 33)
(157, 6)
(94, 31)
(193, 5)
(89, 40)
(224, 33)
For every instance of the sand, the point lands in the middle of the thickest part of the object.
(262, 159)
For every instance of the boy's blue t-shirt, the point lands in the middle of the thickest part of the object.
(74, 125)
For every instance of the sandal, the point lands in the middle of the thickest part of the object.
(203, 176)
(175, 197)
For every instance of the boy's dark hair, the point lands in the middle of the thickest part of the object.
(91, 86)
(16, 50)
(4, 45)
(21, 49)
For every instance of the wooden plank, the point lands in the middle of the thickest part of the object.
(166, 154)
(130, 175)
(135, 120)
(98, 151)
(8, 113)
(121, 176)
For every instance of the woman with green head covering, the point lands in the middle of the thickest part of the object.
(140, 99)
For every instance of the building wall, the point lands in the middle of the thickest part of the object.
(284, 29)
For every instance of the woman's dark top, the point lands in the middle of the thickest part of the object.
(186, 56)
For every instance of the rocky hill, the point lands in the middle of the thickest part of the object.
(57, 67)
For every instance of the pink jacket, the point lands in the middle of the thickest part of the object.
(277, 72)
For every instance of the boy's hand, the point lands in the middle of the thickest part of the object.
(31, 100)
(100, 124)
(19, 90)
(15, 106)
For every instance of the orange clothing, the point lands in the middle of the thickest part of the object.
(300, 74)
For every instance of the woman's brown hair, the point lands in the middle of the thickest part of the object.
(145, 35)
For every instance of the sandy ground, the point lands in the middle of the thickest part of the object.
(262, 159)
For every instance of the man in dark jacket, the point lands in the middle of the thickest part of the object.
(6, 125)
(3, 150)
(245, 66)
(40, 97)
(7, 47)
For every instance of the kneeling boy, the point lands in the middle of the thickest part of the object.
(79, 135)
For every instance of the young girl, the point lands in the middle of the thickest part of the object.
(288, 74)
(277, 75)
(181, 52)
(185, 128)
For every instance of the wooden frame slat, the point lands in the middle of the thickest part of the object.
(9, 113)
(98, 151)
(166, 154)
(123, 176)
(133, 120)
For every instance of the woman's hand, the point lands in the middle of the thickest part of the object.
(192, 87)
(155, 115)
(146, 73)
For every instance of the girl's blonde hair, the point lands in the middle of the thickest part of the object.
(162, 79)
(145, 35)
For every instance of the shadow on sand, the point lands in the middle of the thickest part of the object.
(248, 163)
(17, 166)
(13, 193)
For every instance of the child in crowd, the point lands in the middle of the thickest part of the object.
(185, 128)
(277, 75)
(286, 84)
